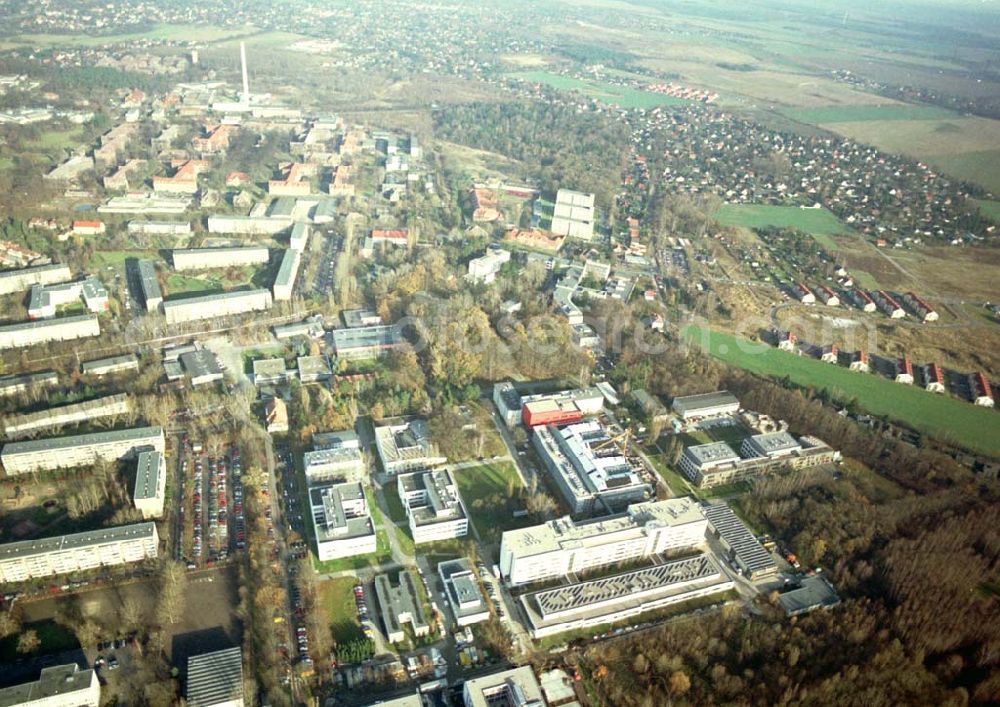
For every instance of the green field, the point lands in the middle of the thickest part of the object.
(819, 223)
(479, 483)
(848, 113)
(6, 163)
(51, 140)
(180, 284)
(117, 258)
(990, 209)
(622, 96)
(193, 33)
(945, 418)
(337, 595)
(980, 167)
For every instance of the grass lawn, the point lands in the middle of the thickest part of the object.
(945, 418)
(117, 258)
(337, 595)
(179, 284)
(990, 209)
(621, 96)
(54, 638)
(397, 514)
(819, 223)
(848, 113)
(865, 280)
(56, 139)
(675, 482)
(6, 163)
(477, 484)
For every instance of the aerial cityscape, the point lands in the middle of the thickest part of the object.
(530, 354)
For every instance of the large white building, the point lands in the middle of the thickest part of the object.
(45, 300)
(560, 547)
(207, 258)
(461, 587)
(21, 279)
(19, 425)
(485, 268)
(405, 445)
(215, 679)
(433, 505)
(217, 305)
(716, 463)
(573, 215)
(589, 468)
(106, 547)
(284, 281)
(517, 686)
(43, 331)
(691, 407)
(344, 463)
(149, 491)
(399, 604)
(78, 450)
(57, 686)
(248, 225)
(342, 521)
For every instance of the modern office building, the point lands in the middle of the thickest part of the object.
(465, 597)
(20, 425)
(366, 342)
(78, 450)
(433, 505)
(215, 679)
(517, 687)
(692, 407)
(561, 408)
(207, 258)
(622, 596)
(590, 468)
(47, 330)
(701, 460)
(508, 402)
(573, 215)
(400, 604)
(405, 445)
(313, 369)
(334, 464)
(734, 536)
(560, 547)
(149, 491)
(106, 547)
(23, 278)
(716, 463)
(342, 521)
(216, 305)
(57, 686)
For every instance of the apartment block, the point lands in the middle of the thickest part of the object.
(78, 450)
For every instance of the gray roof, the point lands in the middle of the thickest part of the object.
(90, 538)
(461, 586)
(46, 323)
(148, 282)
(138, 434)
(690, 404)
(730, 528)
(289, 267)
(213, 678)
(331, 520)
(146, 474)
(125, 360)
(812, 593)
(214, 297)
(201, 363)
(774, 443)
(381, 336)
(53, 681)
(396, 600)
(712, 453)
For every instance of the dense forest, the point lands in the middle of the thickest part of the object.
(574, 149)
(910, 539)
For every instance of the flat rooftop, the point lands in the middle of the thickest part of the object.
(712, 453)
(46, 323)
(213, 678)
(53, 682)
(812, 593)
(442, 502)
(90, 538)
(730, 528)
(774, 443)
(691, 404)
(340, 512)
(380, 336)
(147, 474)
(111, 362)
(464, 595)
(31, 446)
(215, 297)
(201, 363)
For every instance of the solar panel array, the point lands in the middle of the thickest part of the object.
(731, 529)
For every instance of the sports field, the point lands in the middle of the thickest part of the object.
(621, 96)
(819, 223)
(939, 416)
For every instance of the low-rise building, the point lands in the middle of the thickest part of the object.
(334, 464)
(159, 228)
(805, 295)
(44, 331)
(716, 463)
(366, 342)
(105, 547)
(623, 596)
(45, 300)
(113, 364)
(82, 227)
(23, 278)
(860, 362)
(811, 593)
(215, 679)
(50, 453)
(203, 367)
(148, 494)
(400, 604)
(57, 686)
(433, 506)
(484, 269)
(27, 382)
(573, 214)
(703, 405)
(889, 305)
(743, 547)
(314, 369)
(925, 311)
(342, 521)
(589, 468)
(405, 445)
(184, 180)
(982, 390)
(561, 547)
(207, 258)
(934, 378)
(508, 402)
(904, 371)
(149, 285)
(216, 305)
(465, 597)
(563, 407)
(269, 371)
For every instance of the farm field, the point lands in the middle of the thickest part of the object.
(194, 33)
(477, 485)
(819, 223)
(856, 113)
(606, 93)
(937, 415)
(991, 209)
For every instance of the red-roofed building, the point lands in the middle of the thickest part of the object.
(806, 295)
(88, 228)
(237, 179)
(217, 140)
(184, 179)
(921, 307)
(296, 181)
(534, 239)
(787, 341)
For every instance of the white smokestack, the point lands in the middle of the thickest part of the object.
(245, 98)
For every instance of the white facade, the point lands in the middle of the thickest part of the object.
(31, 559)
(573, 214)
(284, 283)
(247, 225)
(42, 332)
(342, 522)
(78, 450)
(149, 491)
(485, 268)
(434, 508)
(559, 547)
(18, 425)
(23, 278)
(206, 258)
(324, 465)
(218, 305)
